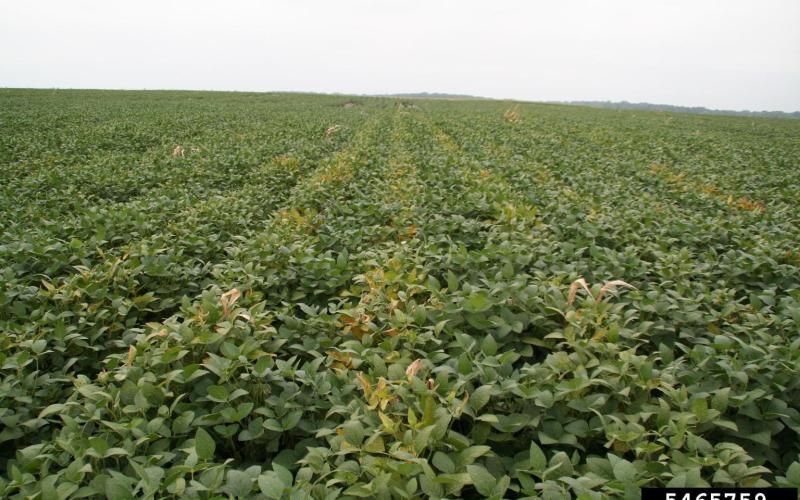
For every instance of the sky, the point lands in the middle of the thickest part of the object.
(731, 54)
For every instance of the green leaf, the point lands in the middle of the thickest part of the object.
(204, 445)
(483, 481)
(119, 486)
(468, 455)
(624, 471)
(217, 394)
(726, 424)
(47, 488)
(689, 478)
(99, 444)
(700, 409)
(116, 452)
(430, 487)
(38, 346)
(359, 490)
(283, 473)
(478, 302)
(489, 346)
(151, 478)
(763, 437)
(442, 462)
(273, 425)
(537, 458)
(480, 397)
(452, 282)
(793, 474)
(50, 410)
(238, 483)
(290, 420)
(501, 487)
(422, 438)
(271, 485)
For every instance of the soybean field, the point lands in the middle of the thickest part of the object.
(261, 295)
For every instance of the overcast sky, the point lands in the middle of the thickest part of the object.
(730, 54)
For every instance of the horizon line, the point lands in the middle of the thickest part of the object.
(572, 102)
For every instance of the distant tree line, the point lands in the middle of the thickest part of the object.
(646, 106)
(433, 95)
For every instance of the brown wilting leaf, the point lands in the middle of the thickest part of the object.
(460, 408)
(158, 333)
(611, 286)
(512, 114)
(131, 355)
(228, 299)
(413, 368)
(357, 326)
(573, 289)
(750, 205)
(332, 130)
(410, 232)
(178, 151)
(341, 360)
(364, 384)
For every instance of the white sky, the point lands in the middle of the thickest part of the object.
(731, 54)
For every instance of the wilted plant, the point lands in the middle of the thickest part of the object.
(512, 115)
(609, 286)
(228, 299)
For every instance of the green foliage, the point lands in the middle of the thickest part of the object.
(312, 300)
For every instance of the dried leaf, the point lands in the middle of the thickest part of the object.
(413, 368)
(131, 355)
(573, 289)
(228, 299)
(364, 384)
(611, 286)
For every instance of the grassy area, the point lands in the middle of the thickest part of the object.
(211, 295)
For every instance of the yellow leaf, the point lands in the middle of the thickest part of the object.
(375, 445)
(365, 384)
(131, 355)
(388, 424)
